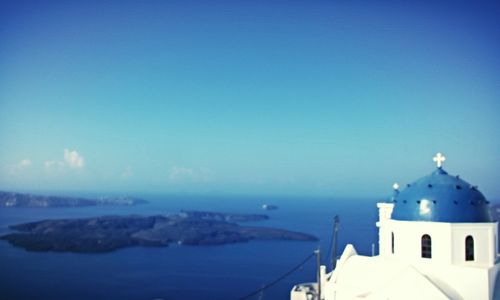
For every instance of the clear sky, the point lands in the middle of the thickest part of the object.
(247, 97)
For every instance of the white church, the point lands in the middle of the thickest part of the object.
(436, 241)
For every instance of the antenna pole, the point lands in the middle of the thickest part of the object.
(318, 262)
(333, 258)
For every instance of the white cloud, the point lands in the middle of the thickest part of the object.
(127, 173)
(49, 164)
(20, 166)
(180, 172)
(185, 174)
(73, 159)
(52, 164)
(24, 163)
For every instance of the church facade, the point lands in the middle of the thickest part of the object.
(436, 241)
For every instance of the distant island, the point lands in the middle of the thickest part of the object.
(105, 234)
(8, 199)
(269, 207)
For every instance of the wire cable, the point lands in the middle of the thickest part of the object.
(279, 278)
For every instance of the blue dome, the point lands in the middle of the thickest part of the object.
(440, 197)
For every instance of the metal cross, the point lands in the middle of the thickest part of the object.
(439, 159)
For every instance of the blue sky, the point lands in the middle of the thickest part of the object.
(247, 97)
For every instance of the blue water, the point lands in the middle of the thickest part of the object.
(184, 272)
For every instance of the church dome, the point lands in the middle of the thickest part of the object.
(440, 197)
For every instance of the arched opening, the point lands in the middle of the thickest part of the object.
(426, 246)
(392, 242)
(469, 248)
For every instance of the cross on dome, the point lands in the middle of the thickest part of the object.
(439, 159)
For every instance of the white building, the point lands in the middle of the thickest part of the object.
(436, 241)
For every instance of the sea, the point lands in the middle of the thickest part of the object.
(188, 272)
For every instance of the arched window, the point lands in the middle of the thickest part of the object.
(392, 242)
(426, 246)
(469, 248)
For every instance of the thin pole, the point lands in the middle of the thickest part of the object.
(318, 262)
(333, 259)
